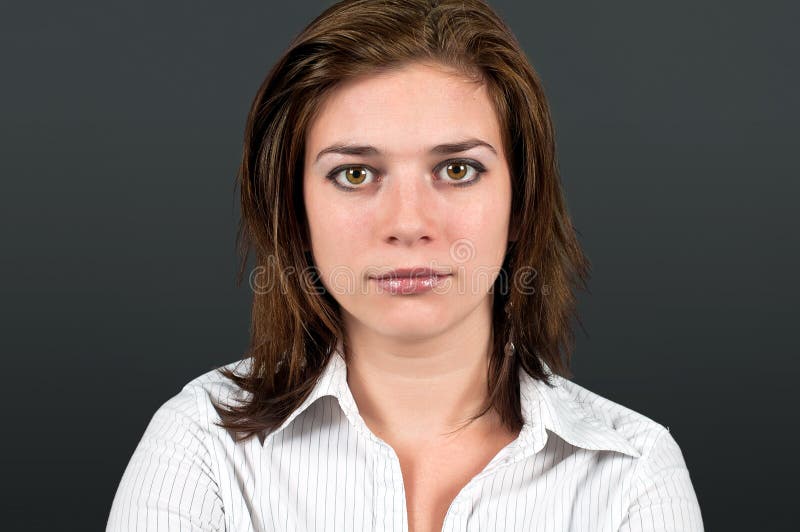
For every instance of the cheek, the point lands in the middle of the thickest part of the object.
(483, 223)
(336, 229)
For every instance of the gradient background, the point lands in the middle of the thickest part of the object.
(121, 128)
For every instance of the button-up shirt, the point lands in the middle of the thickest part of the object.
(580, 463)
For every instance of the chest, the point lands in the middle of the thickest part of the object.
(334, 479)
(433, 477)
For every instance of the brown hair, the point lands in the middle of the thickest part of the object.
(296, 324)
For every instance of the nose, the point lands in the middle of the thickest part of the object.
(408, 210)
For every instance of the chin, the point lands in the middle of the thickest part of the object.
(407, 331)
(405, 321)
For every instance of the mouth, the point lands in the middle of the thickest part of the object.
(411, 273)
(407, 281)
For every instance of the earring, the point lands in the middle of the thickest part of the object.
(509, 348)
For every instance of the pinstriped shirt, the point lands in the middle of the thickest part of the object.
(580, 463)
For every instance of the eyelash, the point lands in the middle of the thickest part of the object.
(475, 165)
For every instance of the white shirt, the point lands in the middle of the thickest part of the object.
(580, 463)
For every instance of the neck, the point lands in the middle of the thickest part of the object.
(423, 389)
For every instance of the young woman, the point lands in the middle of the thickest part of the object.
(415, 279)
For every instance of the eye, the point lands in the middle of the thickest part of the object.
(456, 172)
(460, 172)
(350, 177)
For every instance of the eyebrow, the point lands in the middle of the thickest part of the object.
(441, 149)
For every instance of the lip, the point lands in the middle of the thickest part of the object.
(412, 272)
(409, 285)
(414, 280)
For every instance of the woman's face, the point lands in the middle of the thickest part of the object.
(386, 186)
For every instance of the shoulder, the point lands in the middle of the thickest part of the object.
(188, 417)
(190, 410)
(637, 429)
(196, 396)
(662, 493)
(173, 474)
(213, 385)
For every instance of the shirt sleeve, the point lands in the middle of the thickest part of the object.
(663, 498)
(169, 483)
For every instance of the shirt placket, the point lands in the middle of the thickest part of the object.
(390, 499)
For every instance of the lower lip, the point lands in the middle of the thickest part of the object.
(410, 285)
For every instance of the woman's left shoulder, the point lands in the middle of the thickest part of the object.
(662, 493)
(638, 429)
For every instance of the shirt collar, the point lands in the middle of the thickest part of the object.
(558, 410)
(543, 409)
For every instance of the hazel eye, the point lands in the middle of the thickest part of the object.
(460, 172)
(355, 175)
(457, 171)
(350, 177)
(453, 172)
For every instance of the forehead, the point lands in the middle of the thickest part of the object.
(406, 110)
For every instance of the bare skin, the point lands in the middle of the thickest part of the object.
(435, 471)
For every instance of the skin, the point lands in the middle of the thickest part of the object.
(418, 363)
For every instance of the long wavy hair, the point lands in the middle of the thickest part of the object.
(295, 324)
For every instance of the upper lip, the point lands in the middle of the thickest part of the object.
(414, 271)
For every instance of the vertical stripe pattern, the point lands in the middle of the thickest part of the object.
(580, 463)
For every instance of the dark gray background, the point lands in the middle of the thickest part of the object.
(121, 133)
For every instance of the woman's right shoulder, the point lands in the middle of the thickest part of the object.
(192, 408)
(173, 474)
(214, 385)
(201, 395)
